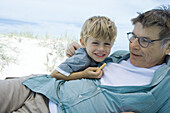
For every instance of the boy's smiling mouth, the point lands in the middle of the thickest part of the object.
(99, 54)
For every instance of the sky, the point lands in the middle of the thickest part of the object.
(58, 17)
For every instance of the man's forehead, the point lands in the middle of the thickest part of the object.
(151, 32)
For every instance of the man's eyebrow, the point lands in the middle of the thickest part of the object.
(141, 37)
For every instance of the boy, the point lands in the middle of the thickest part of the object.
(97, 37)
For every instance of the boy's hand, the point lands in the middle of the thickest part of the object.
(70, 51)
(90, 72)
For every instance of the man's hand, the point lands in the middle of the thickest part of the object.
(70, 51)
(90, 72)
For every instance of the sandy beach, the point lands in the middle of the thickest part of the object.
(22, 56)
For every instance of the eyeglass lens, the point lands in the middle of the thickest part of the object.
(142, 41)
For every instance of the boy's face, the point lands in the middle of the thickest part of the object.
(97, 49)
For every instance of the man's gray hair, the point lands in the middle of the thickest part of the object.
(157, 17)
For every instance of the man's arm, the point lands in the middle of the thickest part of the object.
(70, 51)
(90, 72)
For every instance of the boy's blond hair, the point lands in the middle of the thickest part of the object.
(98, 27)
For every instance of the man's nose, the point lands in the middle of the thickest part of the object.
(135, 44)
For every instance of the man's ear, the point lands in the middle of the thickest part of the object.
(82, 43)
(167, 51)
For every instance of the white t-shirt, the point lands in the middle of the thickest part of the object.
(126, 74)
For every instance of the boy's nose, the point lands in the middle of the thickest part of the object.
(101, 48)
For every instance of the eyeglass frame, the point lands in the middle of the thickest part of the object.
(139, 38)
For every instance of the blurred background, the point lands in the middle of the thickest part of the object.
(35, 33)
(55, 18)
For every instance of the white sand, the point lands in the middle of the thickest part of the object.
(25, 56)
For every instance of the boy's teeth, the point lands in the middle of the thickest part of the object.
(99, 54)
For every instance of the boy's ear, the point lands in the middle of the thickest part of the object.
(82, 43)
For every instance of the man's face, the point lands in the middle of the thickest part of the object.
(97, 49)
(153, 54)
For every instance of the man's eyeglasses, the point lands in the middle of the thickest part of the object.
(143, 42)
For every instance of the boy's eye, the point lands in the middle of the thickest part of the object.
(95, 43)
(107, 44)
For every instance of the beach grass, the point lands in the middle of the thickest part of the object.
(28, 50)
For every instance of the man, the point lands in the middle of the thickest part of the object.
(136, 82)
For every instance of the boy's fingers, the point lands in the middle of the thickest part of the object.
(101, 67)
(92, 68)
(101, 74)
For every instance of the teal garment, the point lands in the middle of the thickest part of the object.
(77, 62)
(88, 96)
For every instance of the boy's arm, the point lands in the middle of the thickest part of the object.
(90, 72)
(78, 62)
(59, 76)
